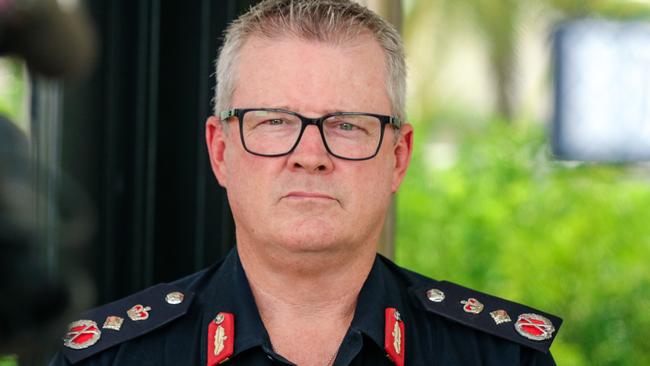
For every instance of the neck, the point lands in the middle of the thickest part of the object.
(306, 281)
(312, 294)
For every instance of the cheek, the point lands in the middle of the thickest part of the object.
(374, 188)
(251, 189)
(242, 181)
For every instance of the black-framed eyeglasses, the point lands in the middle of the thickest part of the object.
(276, 132)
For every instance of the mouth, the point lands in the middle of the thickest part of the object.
(300, 195)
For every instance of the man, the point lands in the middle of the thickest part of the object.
(309, 141)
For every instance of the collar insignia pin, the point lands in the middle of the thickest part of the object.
(394, 336)
(221, 338)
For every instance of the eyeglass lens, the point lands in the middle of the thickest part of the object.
(276, 133)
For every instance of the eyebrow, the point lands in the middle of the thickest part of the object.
(322, 113)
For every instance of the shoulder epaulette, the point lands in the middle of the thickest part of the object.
(109, 325)
(502, 318)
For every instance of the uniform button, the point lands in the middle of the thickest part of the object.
(435, 295)
(174, 298)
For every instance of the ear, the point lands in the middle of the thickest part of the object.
(215, 139)
(402, 149)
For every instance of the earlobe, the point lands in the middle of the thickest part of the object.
(403, 150)
(215, 140)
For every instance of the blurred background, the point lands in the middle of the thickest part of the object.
(486, 203)
(118, 194)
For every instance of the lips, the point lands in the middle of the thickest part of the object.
(309, 195)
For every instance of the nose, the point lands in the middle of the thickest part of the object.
(310, 154)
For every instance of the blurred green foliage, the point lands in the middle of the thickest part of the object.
(485, 205)
(8, 361)
(12, 89)
(504, 218)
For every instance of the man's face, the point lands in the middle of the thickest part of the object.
(309, 200)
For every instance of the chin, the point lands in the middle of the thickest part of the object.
(297, 233)
(318, 240)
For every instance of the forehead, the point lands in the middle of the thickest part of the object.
(312, 76)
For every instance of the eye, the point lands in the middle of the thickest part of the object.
(349, 126)
(274, 122)
(346, 126)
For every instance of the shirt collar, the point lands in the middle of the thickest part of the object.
(229, 291)
(380, 291)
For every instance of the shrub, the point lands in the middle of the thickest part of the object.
(569, 239)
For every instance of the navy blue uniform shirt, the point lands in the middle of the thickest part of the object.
(433, 336)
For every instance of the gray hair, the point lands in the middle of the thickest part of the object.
(330, 21)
